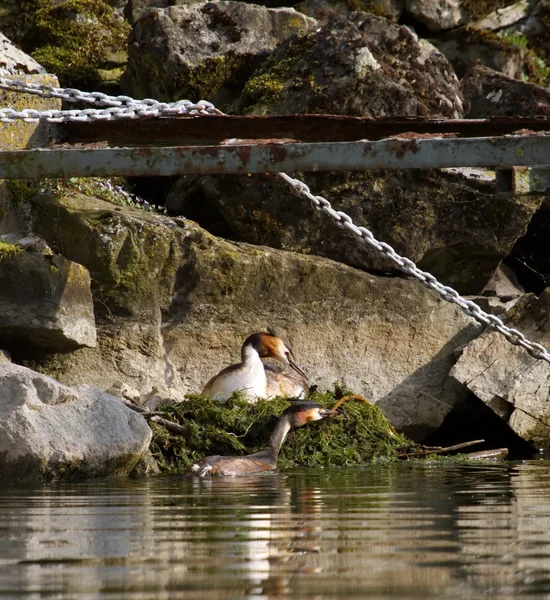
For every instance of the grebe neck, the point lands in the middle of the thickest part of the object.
(249, 354)
(282, 427)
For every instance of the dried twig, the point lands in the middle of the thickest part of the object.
(427, 450)
(156, 417)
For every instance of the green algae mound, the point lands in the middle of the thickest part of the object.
(360, 435)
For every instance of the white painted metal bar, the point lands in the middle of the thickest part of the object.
(391, 153)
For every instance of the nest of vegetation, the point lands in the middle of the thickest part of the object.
(360, 435)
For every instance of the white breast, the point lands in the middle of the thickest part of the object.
(249, 379)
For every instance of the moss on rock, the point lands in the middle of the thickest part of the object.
(8, 250)
(361, 435)
(73, 38)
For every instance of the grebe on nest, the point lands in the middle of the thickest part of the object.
(297, 415)
(253, 378)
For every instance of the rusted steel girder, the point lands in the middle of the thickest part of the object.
(206, 130)
(392, 153)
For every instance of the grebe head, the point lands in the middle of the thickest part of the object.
(302, 413)
(270, 345)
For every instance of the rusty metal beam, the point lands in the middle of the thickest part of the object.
(208, 130)
(393, 153)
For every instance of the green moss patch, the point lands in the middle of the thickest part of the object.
(361, 435)
(8, 250)
(73, 38)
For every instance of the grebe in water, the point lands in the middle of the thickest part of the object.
(252, 377)
(297, 415)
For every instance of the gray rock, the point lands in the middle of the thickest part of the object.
(437, 15)
(124, 392)
(45, 303)
(493, 94)
(356, 65)
(455, 228)
(29, 242)
(5, 356)
(503, 283)
(204, 50)
(325, 10)
(506, 16)
(51, 431)
(179, 303)
(511, 382)
(467, 47)
(159, 398)
(14, 62)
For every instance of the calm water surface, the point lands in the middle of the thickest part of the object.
(383, 532)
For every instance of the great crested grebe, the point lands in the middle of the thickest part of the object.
(297, 415)
(251, 377)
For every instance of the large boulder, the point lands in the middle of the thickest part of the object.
(356, 65)
(467, 47)
(45, 303)
(508, 379)
(438, 15)
(204, 50)
(453, 225)
(493, 94)
(51, 431)
(176, 304)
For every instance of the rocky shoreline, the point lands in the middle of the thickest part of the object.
(104, 297)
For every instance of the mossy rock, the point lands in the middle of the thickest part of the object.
(355, 65)
(75, 39)
(361, 435)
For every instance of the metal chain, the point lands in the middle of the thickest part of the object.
(447, 293)
(119, 107)
(124, 107)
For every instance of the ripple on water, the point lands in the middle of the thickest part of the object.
(396, 531)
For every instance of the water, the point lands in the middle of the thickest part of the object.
(384, 532)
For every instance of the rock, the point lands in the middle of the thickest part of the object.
(511, 382)
(159, 398)
(359, 65)
(535, 27)
(204, 50)
(136, 8)
(493, 94)
(29, 242)
(15, 64)
(501, 293)
(5, 356)
(326, 10)
(467, 47)
(503, 283)
(178, 303)
(436, 15)
(124, 392)
(45, 304)
(453, 227)
(529, 257)
(51, 431)
(505, 16)
(83, 43)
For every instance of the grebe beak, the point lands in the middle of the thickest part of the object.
(294, 366)
(327, 412)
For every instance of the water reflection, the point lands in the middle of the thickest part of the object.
(389, 532)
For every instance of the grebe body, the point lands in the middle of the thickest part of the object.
(249, 376)
(297, 415)
(289, 383)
